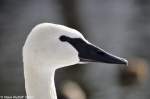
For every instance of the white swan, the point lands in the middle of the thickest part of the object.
(51, 46)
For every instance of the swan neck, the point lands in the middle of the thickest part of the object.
(39, 83)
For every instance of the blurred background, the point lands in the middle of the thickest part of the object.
(118, 26)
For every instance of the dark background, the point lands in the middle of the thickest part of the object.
(118, 26)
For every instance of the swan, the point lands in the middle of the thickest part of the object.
(51, 46)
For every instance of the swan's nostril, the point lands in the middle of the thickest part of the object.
(101, 53)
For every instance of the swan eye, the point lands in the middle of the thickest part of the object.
(63, 38)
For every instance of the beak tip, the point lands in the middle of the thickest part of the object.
(124, 61)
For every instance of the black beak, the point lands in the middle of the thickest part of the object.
(92, 53)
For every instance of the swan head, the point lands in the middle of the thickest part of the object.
(57, 45)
